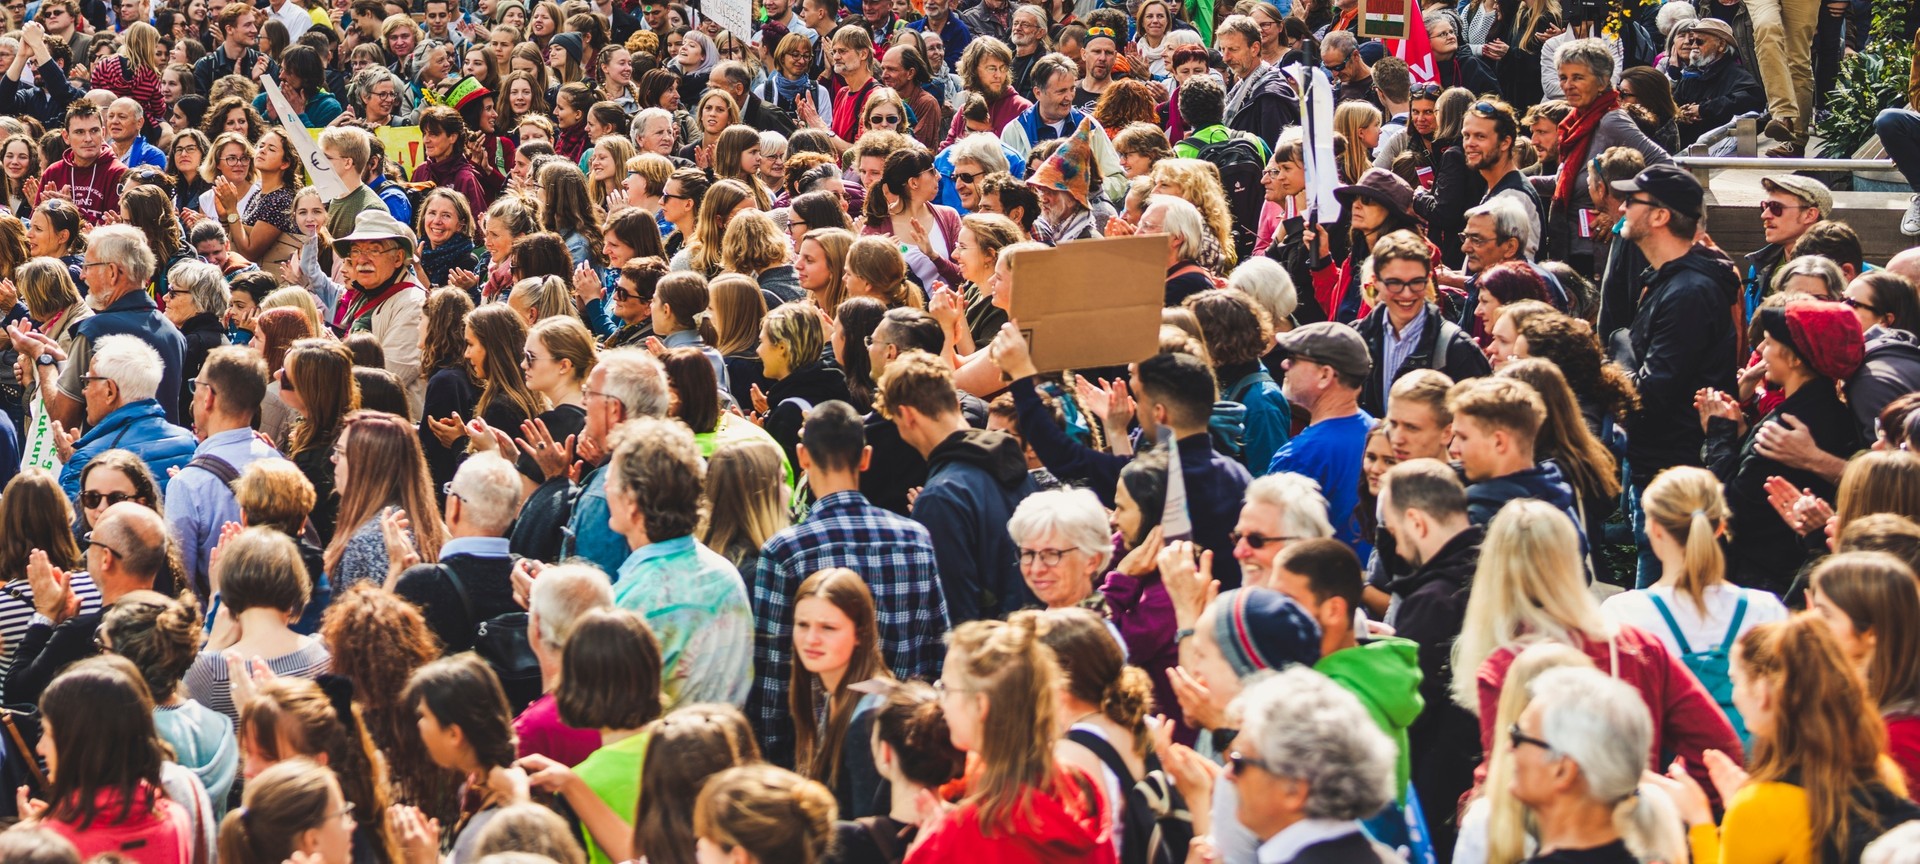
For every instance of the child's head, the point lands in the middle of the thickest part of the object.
(309, 211)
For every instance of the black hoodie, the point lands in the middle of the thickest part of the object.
(1682, 339)
(975, 479)
(790, 398)
(1890, 369)
(1445, 739)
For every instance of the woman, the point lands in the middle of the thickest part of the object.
(612, 684)
(189, 112)
(1155, 19)
(568, 210)
(20, 159)
(787, 82)
(294, 718)
(1503, 285)
(754, 246)
(1378, 205)
(479, 64)
(467, 727)
(1072, 532)
(703, 251)
(1880, 300)
(57, 230)
(232, 174)
(104, 794)
(1564, 438)
(508, 220)
(1108, 701)
(303, 80)
(913, 752)
(836, 641)
(262, 587)
(875, 268)
(606, 170)
(496, 345)
(542, 294)
(1605, 392)
(714, 111)
(747, 487)
(1359, 123)
(853, 325)
(317, 382)
(375, 93)
(1455, 65)
(819, 263)
(46, 285)
(1198, 181)
(115, 476)
(35, 517)
(1819, 784)
(1596, 124)
(688, 747)
(185, 157)
(791, 340)
(161, 635)
(901, 206)
(232, 114)
(272, 493)
(736, 156)
(759, 814)
(680, 200)
(614, 71)
(975, 249)
(293, 809)
(999, 682)
(520, 94)
(446, 235)
(632, 302)
(377, 466)
(885, 111)
(134, 72)
(1139, 146)
(1647, 97)
(265, 233)
(558, 355)
(1867, 601)
(693, 61)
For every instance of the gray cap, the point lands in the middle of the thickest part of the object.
(1329, 344)
(1710, 25)
(374, 223)
(1807, 189)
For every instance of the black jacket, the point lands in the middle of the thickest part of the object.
(1444, 739)
(758, 114)
(1891, 369)
(204, 332)
(1762, 551)
(895, 467)
(45, 651)
(1619, 285)
(812, 384)
(1269, 109)
(1542, 482)
(1722, 90)
(1466, 70)
(46, 100)
(215, 66)
(1445, 347)
(975, 479)
(489, 587)
(1352, 848)
(1682, 339)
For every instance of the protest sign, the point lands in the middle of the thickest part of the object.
(1416, 50)
(404, 146)
(1316, 113)
(1385, 19)
(1091, 303)
(734, 16)
(318, 168)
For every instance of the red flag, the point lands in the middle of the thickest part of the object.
(1415, 49)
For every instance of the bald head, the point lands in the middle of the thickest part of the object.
(1907, 264)
(136, 538)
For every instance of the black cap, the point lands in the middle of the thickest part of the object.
(1670, 185)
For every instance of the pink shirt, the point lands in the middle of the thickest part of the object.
(163, 835)
(540, 731)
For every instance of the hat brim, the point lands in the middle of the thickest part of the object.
(344, 245)
(1346, 194)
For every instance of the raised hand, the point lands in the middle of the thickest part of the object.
(397, 530)
(1188, 579)
(64, 441)
(448, 431)
(49, 584)
(525, 571)
(1712, 403)
(1010, 352)
(1142, 559)
(552, 456)
(759, 400)
(1196, 700)
(418, 836)
(587, 286)
(462, 279)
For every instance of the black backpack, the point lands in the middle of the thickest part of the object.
(1238, 159)
(1155, 825)
(502, 641)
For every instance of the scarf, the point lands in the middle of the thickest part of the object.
(362, 302)
(572, 142)
(1576, 134)
(437, 260)
(786, 90)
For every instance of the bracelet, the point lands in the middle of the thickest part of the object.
(1181, 635)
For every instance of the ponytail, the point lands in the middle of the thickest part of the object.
(1688, 504)
(286, 799)
(1706, 563)
(1128, 699)
(1649, 823)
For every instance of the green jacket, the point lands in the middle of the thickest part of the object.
(1385, 674)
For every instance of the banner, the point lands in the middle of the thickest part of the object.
(405, 147)
(1416, 50)
(1316, 113)
(734, 16)
(1175, 524)
(318, 168)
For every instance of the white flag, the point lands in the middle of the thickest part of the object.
(329, 183)
(1316, 112)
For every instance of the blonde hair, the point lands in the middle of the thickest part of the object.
(752, 243)
(1199, 182)
(1348, 120)
(1530, 585)
(296, 297)
(1687, 503)
(1508, 826)
(736, 307)
(795, 327)
(834, 242)
(878, 262)
(746, 496)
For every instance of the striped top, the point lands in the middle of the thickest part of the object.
(206, 680)
(16, 609)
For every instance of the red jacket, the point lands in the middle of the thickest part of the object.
(1686, 720)
(1068, 828)
(1903, 744)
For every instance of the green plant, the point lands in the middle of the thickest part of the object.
(1867, 82)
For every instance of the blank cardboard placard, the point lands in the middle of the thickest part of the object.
(1091, 303)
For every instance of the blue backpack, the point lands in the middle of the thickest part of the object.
(1710, 666)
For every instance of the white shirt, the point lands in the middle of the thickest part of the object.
(297, 19)
(1284, 846)
(1702, 633)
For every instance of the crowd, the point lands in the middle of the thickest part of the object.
(528, 432)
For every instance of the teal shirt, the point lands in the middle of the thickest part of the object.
(697, 606)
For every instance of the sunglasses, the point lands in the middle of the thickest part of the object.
(93, 500)
(284, 380)
(967, 177)
(1855, 304)
(887, 119)
(1257, 540)
(1775, 208)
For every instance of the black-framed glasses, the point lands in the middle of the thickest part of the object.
(1257, 540)
(1516, 738)
(1046, 557)
(87, 540)
(1775, 208)
(624, 294)
(1336, 67)
(1238, 763)
(1856, 304)
(1644, 202)
(969, 177)
(888, 119)
(92, 500)
(1403, 286)
(669, 196)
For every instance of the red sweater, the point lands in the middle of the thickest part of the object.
(1686, 720)
(1903, 744)
(1071, 827)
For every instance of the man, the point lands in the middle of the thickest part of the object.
(953, 33)
(1899, 131)
(117, 266)
(693, 599)
(87, 175)
(126, 552)
(47, 98)
(555, 603)
(1406, 331)
(124, 120)
(850, 53)
(298, 21)
(1487, 138)
(1418, 423)
(439, 19)
(379, 298)
(625, 384)
(121, 382)
(1280, 510)
(1495, 424)
(226, 396)
(1714, 87)
(1783, 45)
(473, 581)
(819, 16)
(239, 27)
(1053, 116)
(969, 159)
(1683, 338)
(1097, 57)
(905, 70)
(896, 468)
(350, 150)
(1327, 364)
(1424, 507)
(1620, 279)
(1261, 102)
(126, 13)
(653, 131)
(1793, 204)
(780, 12)
(368, 16)
(893, 554)
(989, 18)
(975, 479)
(1029, 45)
(391, 193)
(61, 18)
(1393, 86)
(1543, 131)
(986, 68)
(1203, 110)
(1352, 77)
(1501, 230)
(733, 77)
(879, 22)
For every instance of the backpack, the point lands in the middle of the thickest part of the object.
(503, 642)
(1155, 826)
(1239, 161)
(1710, 666)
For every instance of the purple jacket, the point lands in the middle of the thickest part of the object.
(1139, 607)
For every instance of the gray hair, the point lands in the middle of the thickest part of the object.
(773, 145)
(1239, 25)
(1341, 41)
(1183, 37)
(639, 124)
(1442, 16)
(635, 380)
(1510, 221)
(1303, 509)
(1034, 10)
(982, 149)
(490, 492)
(126, 246)
(1183, 223)
(361, 85)
(130, 105)
(562, 595)
(205, 282)
(1816, 266)
(1591, 53)
(1672, 14)
(1306, 727)
(1603, 725)
(132, 365)
(1075, 515)
(1268, 283)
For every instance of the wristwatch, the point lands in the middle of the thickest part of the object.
(45, 359)
(232, 218)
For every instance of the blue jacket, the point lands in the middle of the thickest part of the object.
(1542, 482)
(143, 153)
(943, 163)
(395, 198)
(1269, 420)
(134, 314)
(140, 427)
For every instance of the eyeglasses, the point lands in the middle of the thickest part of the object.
(1401, 286)
(624, 294)
(532, 358)
(669, 196)
(194, 384)
(1469, 239)
(969, 177)
(236, 159)
(1642, 202)
(1517, 738)
(1257, 540)
(86, 264)
(94, 500)
(1238, 763)
(1775, 208)
(345, 811)
(1046, 557)
(87, 540)
(1855, 304)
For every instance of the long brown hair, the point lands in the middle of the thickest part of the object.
(388, 470)
(685, 748)
(569, 206)
(321, 371)
(1687, 503)
(378, 640)
(35, 514)
(710, 227)
(1564, 437)
(503, 334)
(834, 243)
(1006, 662)
(116, 750)
(443, 330)
(1879, 481)
(1881, 597)
(817, 752)
(303, 718)
(1097, 672)
(1828, 737)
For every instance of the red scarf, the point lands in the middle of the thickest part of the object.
(1576, 133)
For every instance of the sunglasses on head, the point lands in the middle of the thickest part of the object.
(1425, 91)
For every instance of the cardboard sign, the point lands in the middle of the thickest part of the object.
(308, 147)
(1385, 19)
(1091, 303)
(1316, 112)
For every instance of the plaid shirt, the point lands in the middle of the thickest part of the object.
(893, 553)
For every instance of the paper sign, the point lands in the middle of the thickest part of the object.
(1316, 112)
(734, 16)
(318, 168)
(1091, 303)
(404, 145)
(1175, 524)
(1385, 19)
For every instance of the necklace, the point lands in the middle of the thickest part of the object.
(1076, 720)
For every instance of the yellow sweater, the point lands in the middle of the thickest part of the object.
(1766, 823)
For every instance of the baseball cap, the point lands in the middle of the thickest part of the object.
(1807, 189)
(1330, 344)
(1670, 185)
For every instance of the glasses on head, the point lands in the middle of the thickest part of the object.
(1046, 557)
(1257, 540)
(1775, 208)
(1425, 91)
(93, 500)
(1518, 738)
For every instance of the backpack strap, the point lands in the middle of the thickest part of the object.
(459, 590)
(1674, 626)
(1104, 750)
(216, 466)
(1739, 615)
(1238, 392)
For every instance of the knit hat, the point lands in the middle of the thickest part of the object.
(1384, 188)
(1259, 629)
(575, 46)
(1070, 168)
(1826, 335)
(771, 33)
(465, 90)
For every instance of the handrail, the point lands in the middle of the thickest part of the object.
(1712, 163)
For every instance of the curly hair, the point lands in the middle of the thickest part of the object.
(1570, 344)
(1129, 100)
(378, 640)
(160, 634)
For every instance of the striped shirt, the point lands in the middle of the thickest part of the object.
(16, 609)
(206, 681)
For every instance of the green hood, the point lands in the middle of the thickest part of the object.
(1385, 674)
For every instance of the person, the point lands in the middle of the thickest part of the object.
(465, 725)
(227, 391)
(1860, 596)
(381, 299)
(1496, 422)
(625, 383)
(350, 150)
(1261, 101)
(50, 92)
(377, 467)
(791, 338)
(1238, 332)
(122, 408)
(263, 587)
(755, 814)
(106, 795)
(317, 380)
(160, 635)
(99, 193)
(1407, 331)
(1714, 86)
(1326, 366)
(560, 598)
(293, 809)
(1597, 123)
(612, 684)
(38, 518)
(836, 641)
(701, 615)
(239, 33)
(913, 750)
(999, 679)
(471, 583)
